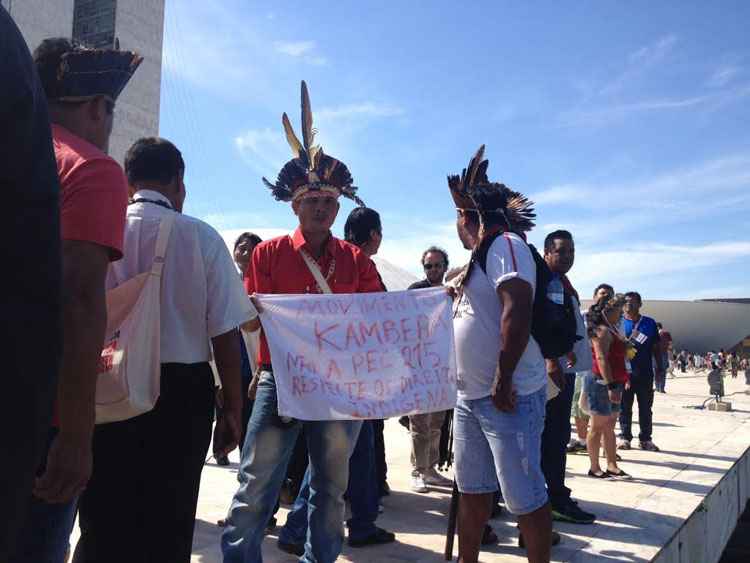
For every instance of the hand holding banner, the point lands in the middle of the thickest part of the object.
(364, 355)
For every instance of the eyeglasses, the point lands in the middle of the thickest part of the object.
(429, 266)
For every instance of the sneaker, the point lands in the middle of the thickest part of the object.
(380, 536)
(417, 484)
(623, 444)
(576, 446)
(489, 537)
(432, 477)
(573, 514)
(649, 446)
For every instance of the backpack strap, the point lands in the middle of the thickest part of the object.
(512, 252)
(165, 228)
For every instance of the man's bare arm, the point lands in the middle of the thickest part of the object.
(228, 364)
(84, 323)
(516, 295)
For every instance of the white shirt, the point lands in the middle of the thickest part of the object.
(201, 295)
(477, 323)
(582, 347)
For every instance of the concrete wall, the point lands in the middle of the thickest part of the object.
(39, 19)
(700, 326)
(139, 25)
(705, 534)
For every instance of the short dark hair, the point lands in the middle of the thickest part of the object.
(252, 238)
(659, 326)
(153, 159)
(360, 223)
(604, 286)
(634, 295)
(437, 250)
(556, 235)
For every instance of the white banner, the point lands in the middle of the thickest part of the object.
(361, 356)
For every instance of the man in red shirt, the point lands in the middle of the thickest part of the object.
(312, 182)
(81, 87)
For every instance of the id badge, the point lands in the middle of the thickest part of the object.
(628, 367)
(639, 337)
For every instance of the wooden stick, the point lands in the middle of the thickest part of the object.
(452, 516)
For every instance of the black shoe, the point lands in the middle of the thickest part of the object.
(222, 460)
(556, 539)
(573, 514)
(489, 537)
(297, 549)
(379, 537)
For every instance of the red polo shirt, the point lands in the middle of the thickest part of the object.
(278, 267)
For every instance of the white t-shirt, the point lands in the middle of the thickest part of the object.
(201, 294)
(477, 323)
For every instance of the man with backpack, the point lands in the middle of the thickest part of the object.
(559, 255)
(140, 503)
(499, 415)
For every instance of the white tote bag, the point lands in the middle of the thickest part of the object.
(130, 369)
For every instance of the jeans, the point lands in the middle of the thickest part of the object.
(555, 438)
(362, 493)
(44, 536)
(494, 447)
(641, 388)
(660, 381)
(265, 455)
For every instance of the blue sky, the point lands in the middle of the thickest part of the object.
(627, 123)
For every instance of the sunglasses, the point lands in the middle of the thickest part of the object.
(431, 266)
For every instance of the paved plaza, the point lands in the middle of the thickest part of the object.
(636, 518)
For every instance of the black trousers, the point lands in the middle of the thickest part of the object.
(139, 506)
(555, 438)
(641, 388)
(381, 467)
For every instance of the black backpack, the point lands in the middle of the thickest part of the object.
(553, 326)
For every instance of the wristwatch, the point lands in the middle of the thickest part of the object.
(612, 386)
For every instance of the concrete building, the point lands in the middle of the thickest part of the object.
(137, 24)
(702, 326)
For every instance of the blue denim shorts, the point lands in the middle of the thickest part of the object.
(598, 396)
(494, 447)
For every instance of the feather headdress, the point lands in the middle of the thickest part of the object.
(310, 170)
(474, 192)
(86, 73)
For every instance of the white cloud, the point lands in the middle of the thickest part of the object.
(294, 48)
(640, 62)
(619, 112)
(358, 111)
(639, 265)
(264, 150)
(723, 76)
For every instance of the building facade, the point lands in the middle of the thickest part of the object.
(138, 25)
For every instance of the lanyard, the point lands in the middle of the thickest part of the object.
(154, 201)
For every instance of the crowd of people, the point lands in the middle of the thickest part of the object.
(528, 358)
